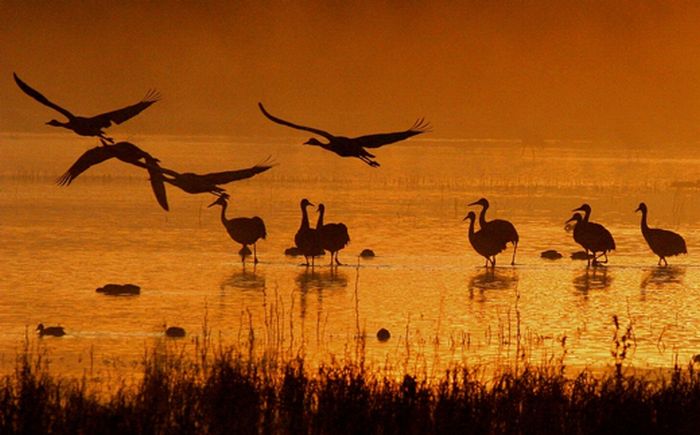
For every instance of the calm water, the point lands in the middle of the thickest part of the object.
(426, 285)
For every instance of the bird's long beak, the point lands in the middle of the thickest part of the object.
(465, 217)
(571, 219)
(473, 203)
(638, 209)
(578, 209)
(312, 204)
(213, 203)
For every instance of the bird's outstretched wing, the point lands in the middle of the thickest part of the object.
(39, 97)
(298, 127)
(157, 183)
(120, 115)
(239, 174)
(89, 158)
(377, 140)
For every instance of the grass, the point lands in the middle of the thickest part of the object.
(217, 390)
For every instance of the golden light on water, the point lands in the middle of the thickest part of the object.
(538, 107)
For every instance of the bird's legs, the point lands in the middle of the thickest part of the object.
(515, 249)
(255, 253)
(662, 259)
(369, 161)
(337, 262)
(105, 138)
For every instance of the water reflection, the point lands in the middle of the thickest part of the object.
(661, 276)
(596, 278)
(492, 279)
(245, 280)
(311, 280)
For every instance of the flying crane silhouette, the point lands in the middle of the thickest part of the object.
(353, 147)
(663, 243)
(126, 152)
(498, 229)
(90, 126)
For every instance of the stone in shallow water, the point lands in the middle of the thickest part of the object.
(175, 332)
(579, 255)
(551, 254)
(383, 334)
(367, 253)
(119, 289)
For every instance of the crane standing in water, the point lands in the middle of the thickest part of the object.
(594, 235)
(498, 229)
(307, 239)
(663, 243)
(244, 230)
(484, 243)
(334, 236)
(91, 126)
(355, 146)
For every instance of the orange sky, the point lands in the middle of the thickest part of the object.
(627, 72)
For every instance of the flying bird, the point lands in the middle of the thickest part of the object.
(90, 126)
(353, 147)
(663, 243)
(244, 230)
(210, 183)
(126, 152)
(499, 229)
(333, 236)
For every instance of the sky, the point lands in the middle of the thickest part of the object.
(622, 71)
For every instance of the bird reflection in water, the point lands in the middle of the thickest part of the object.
(310, 280)
(592, 279)
(492, 279)
(661, 276)
(245, 280)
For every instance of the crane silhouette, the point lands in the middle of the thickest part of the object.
(484, 243)
(334, 236)
(601, 237)
(91, 126)
(126, 152)
(592, 237)
(244, 230)
(54, 331)
(307, 239)
(210, 183)
(663, 243)
(353, 147)
(498, 229)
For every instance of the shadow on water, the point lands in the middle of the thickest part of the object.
(492, 279)
(592, 278)
(659, 277)
(245, 279)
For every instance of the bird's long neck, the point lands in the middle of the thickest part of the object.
(471, 229)
(587, 214)
(304, 218)
(319, 223)
(223, 213)
(645, 226)
(482, 216)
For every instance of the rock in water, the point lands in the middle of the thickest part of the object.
(383, 334)
(551, 254)
(119, 289)
(367, 253)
